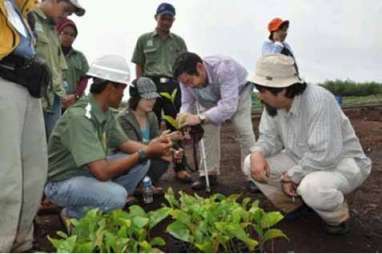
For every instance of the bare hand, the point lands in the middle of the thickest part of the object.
(187, 119)
(158, 147)
(288, 186)
(68, 100)
(259, 167)
(174, 136)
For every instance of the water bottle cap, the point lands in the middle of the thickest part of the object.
(146, 181)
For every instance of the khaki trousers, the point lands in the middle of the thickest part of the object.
(242, 122)
(323, 191)
(23, 165)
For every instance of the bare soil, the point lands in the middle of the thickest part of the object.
(305, 234)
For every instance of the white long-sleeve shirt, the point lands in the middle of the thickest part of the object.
(315, 133)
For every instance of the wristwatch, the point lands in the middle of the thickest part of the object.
(203, 119)
(142, 157)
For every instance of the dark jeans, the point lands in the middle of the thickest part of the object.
(169, 108)
(157, 168)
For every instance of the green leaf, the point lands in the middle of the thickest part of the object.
(251, 244)
(170, 197)
(173, 95)
(140, 221)
(245, 202)
(272, 234)
(206, 247)
(182, 217)
(157, 241)
(270, 219)
(158, 215)
(144, 246)
(166, 95)
(171, 121)
(136, 210)
(179, 231)
(62, 234)
(87, 247)
(64, 246)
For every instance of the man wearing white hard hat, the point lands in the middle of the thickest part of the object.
(81, 173)
(307, 153)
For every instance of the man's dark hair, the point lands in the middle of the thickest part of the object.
(291, 91)
(186, 63)
(98, 85)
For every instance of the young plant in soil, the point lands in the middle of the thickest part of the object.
(117, 231)
(221, 224)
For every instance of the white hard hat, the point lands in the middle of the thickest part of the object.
(112, 68)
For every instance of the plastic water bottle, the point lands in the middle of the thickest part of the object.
(147, 190)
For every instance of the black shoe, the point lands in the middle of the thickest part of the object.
(340, 229)
(300, 212)
(251, 187)
(201, 182)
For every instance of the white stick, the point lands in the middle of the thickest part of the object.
(203, 157)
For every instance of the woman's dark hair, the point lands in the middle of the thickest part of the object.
(186, 63)
(133, 102)
(291, 91)
(285, 24)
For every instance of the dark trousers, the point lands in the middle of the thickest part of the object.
(170, 108)
(157, 168)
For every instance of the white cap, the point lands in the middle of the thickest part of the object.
(276, 70)
(112, 68)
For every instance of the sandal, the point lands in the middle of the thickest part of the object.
(183, 176)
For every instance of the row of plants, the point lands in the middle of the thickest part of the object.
(351, 88)
(214, 224)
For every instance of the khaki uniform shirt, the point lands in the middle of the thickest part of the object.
(157, 56)
(77, 67)
(82, 135)
(48, 47)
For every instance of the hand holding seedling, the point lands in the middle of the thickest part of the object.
(187, 119)
(158, 147)
(259, 167)
(177, 155)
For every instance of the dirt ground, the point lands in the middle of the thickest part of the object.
(305, 234)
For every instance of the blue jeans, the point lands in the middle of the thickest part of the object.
(52, 117)
(79, 193)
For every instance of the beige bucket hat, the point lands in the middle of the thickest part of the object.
(276, 70)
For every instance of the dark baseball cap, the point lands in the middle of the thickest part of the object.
(165, 9)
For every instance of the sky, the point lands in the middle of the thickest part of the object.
(331, 39)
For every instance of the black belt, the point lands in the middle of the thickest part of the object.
(12, 62)
(34, 74)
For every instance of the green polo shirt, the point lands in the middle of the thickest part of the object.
(77, 68)
(82, 135)
(48, 47)
(156, 55)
